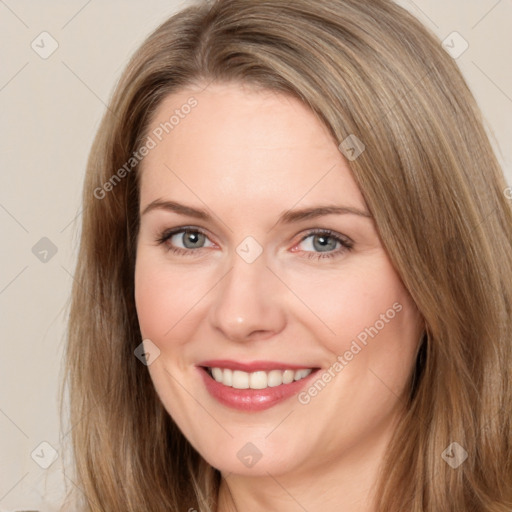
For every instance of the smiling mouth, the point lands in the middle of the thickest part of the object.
(238, 379)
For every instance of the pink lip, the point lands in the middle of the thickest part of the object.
(253, 366)
(252, 400)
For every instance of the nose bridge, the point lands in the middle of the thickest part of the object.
(246, 302)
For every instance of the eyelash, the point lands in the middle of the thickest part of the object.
(346, 243)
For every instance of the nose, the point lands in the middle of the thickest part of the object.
(247, 303)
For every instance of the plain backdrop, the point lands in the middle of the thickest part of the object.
(51, 106)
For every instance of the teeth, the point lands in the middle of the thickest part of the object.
(257, 380)
(217, 374)
(300, 374)
(240, 380)
(227, 376)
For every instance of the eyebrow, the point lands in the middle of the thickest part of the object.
(288, 217)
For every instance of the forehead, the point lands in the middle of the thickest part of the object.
(247, 146)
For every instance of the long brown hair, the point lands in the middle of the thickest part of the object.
(431, 181)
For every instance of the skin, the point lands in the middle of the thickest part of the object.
(247, 156)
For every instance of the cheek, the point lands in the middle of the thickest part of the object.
(151, 301)
(170, 301)
(364, 300)
(160, 297)
(377, 334)
(369, 326)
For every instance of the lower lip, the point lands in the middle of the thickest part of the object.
(252, 399)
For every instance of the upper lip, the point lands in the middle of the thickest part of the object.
(252, 366)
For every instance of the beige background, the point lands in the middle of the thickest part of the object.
(50, 109)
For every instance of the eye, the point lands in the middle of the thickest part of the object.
(188, 239)
(317, 244)
(320, 243)
(324, 244)
(184, 240)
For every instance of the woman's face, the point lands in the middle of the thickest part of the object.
(257, 258)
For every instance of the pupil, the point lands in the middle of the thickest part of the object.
(324, 243)
(193, 239)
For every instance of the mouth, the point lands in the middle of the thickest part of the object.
(253, 386)
(239, 379)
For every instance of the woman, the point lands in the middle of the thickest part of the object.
(294, 283)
